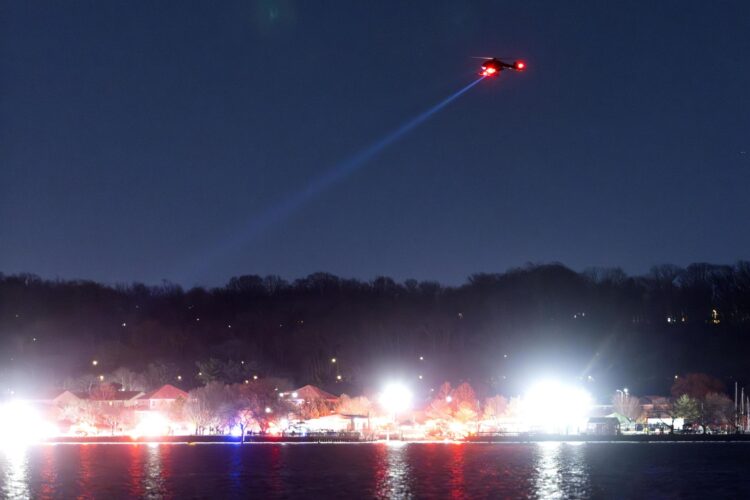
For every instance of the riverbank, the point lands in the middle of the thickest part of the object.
(189, 439)
(354, 438)
(624, 438)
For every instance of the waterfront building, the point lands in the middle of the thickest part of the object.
(162, 398)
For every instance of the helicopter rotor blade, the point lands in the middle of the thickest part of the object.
(494, 57)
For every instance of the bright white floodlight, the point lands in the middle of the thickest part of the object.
(555, 407)
(396, 398)
(21, 424)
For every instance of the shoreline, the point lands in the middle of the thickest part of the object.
(193, 440)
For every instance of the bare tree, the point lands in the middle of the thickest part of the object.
(128, 379)
(257, 402)
(354, 406)
(84, 383)
(696, 385)
(204, 406)
(627, 405)
(312, 409)
(717, 409)
(466, 412)
(495, 407)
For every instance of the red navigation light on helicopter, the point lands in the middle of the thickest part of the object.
(493, 66)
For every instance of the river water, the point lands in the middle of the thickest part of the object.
(378, 470)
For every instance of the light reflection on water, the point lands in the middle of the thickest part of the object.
(15, 468)
(561, 470)
(395, 470)
(393, 476)
(547, 471)
(152, 478)
(146, 471)
(457, 477)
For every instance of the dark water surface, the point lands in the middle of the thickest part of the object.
(544, 470)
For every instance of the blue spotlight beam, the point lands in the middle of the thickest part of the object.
(337, 173)
(348, 166)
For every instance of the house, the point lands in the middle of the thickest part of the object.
(161, 398)
(66, 398)
(115, 398)
(310, 393)
(61, 398)
(55, 397)
(656, 407)
(603, 426)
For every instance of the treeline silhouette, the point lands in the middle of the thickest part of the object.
(497, 330)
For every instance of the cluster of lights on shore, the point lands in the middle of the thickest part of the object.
(21, 424)
(571, 404)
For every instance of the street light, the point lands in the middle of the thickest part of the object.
(623, 394)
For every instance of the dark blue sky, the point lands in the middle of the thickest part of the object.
(144, 140)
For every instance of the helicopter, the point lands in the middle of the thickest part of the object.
(492, 66)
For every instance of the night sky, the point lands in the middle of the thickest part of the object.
(142, 141)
